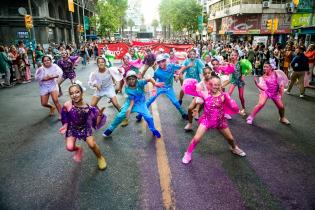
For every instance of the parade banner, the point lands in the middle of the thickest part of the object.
(120, 49)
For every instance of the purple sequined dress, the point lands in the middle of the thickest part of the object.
(81, 120)
(213, 115)
(67, 67)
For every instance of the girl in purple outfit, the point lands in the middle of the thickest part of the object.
(67, 66)
(271, 86)
(216, 103)
(47, 77)
(78, 119)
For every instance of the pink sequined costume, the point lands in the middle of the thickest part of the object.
(214, 106)
(271, 84)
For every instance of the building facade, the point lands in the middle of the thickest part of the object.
(51, 20)
(242, 20)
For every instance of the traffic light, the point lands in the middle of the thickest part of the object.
(275, 24)
(28, 21)
(269, 24)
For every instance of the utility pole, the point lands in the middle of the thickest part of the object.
(33, 30)
(83, 6)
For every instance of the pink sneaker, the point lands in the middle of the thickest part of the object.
(249, 120)
(187, 158)
(77, 157)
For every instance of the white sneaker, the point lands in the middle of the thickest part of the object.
(188, 127)
(187, 158)
(301, 96)
(287, 92)
(238, 151)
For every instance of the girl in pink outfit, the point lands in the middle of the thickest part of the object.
(271, 86)
(216, 103)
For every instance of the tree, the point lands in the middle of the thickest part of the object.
(131, 24)
(110, 13)
(155, 24)
(180, 14)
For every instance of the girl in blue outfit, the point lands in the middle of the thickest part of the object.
(165, 73)
(135, 102)
(193, 69)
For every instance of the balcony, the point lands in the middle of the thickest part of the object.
(234, 7)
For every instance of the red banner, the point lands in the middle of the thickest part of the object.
(118, 49)
(121, 49)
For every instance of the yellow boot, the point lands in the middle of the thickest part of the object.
(102, 163)
(124, 123)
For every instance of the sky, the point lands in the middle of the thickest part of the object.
(150, 8)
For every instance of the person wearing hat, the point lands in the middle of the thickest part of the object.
(165, 73)
(135, 102)
(300, 66)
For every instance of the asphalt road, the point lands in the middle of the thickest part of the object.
(37, 172)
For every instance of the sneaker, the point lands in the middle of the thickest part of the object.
(180, 102)
(139, 117)
(101, 163)
(156, 133)
(227, 116)
(187, 158)
(124, 123)
(107, 133)
(301, 96)
(287, 92)
(238, 151)
(185, 116)
(188, 127)
(249, 120)
(77, 157)
(285, 121)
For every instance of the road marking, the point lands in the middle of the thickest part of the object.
(162, 162)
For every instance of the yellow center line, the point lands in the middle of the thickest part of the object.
(162, 162)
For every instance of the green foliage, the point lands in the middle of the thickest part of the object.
(155, 23)
(110, 13)
(180, 14)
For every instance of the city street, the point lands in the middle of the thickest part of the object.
(37, 172)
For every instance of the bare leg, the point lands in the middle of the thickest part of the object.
(95, 100)
(241, 96)
(280, 107)
(115, 103)
(71, 147)
(93, 146)
(54, 96)
(228, 136)
(44, 103)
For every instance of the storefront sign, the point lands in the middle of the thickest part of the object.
(284, 22)
(241, 24)
(300, 20)
(260, 39)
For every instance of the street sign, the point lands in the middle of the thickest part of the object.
(200, 23)
(86, 23)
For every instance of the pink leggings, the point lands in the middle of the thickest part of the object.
(240, 94)
(262, 101)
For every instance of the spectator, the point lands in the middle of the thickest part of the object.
(5, 65)
(300, 66)
(310, 54)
